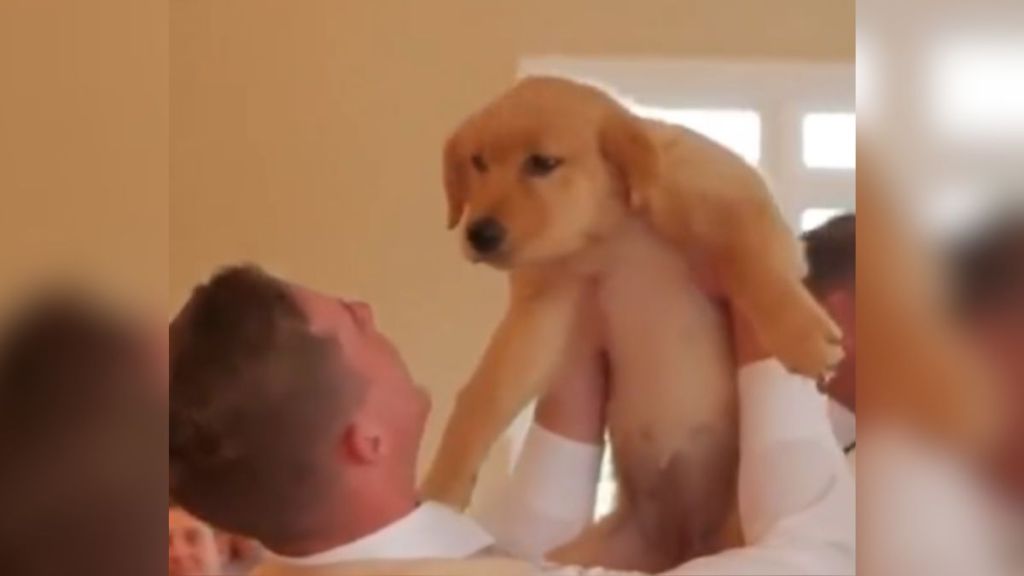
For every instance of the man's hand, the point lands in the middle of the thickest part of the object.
(575, 406)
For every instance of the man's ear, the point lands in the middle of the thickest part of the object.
(362, 442)
(455, 179)
(626, 145)
(840, 305)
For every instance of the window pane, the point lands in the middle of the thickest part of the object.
(977, 88)
(811, 218)
(607, 487)
(738, 130)
(830, 140)
(867, 76)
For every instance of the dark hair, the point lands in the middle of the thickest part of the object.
(831, 252)
(255, 403)
(83, 425)
(989, 267)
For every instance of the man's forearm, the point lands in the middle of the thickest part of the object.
(550, 495)
(576, 409)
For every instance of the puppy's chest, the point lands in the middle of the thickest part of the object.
(644, 283)
(665, 340)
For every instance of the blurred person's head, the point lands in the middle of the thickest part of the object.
(293, 419)
(990, 274)
(918, 372)
(82, 475)
(832, 263)
(191, 545)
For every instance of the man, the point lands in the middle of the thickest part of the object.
(275, 371)
(295, 421)
(990, 290)
(832, 264)
(82, 475)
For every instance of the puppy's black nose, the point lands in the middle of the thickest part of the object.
(485, 235)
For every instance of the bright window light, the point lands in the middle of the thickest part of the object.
(607, 487)
(830, 140)
(957, 208)
(977, 88)
(812, 218)
(867, 75)
(738, 130)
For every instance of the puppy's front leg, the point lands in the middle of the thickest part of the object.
(762, 270)
(726, 214)
(519, 363)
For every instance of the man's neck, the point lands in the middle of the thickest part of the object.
(359, 517)
(843, 390)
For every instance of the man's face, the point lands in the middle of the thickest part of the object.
(393, 403)
(192, 545)
(1001, 337)
(840, 304)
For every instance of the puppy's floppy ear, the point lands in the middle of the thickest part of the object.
(627, 146)
(455, 178)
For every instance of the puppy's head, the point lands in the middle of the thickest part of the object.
(545, 170)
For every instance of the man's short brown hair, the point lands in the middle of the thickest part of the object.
(256, 403)
(989, 267)
(831, 251)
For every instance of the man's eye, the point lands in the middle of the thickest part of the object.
(479, 163)
(539, 165)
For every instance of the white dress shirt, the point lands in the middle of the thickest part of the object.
(926, 511)
(430, 531)
(550, 497)
(796, 498)
(844, 425)
(549, 500)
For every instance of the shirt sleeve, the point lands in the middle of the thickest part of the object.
(550, 496)
(796, 492)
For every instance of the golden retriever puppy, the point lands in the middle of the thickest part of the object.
(566, 190)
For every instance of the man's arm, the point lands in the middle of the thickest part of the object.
(797, 495)
(796, 492)
(551, 494)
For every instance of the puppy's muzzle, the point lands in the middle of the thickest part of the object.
(486, 236)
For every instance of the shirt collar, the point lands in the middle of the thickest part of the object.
(431, 531)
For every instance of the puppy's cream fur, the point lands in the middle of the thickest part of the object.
(628, 204)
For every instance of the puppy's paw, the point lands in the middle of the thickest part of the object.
(448, 490)
(806, 341)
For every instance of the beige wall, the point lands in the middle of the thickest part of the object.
(83, 146)
(306, 135)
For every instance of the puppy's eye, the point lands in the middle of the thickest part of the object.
(478, 163)
(540, 165)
